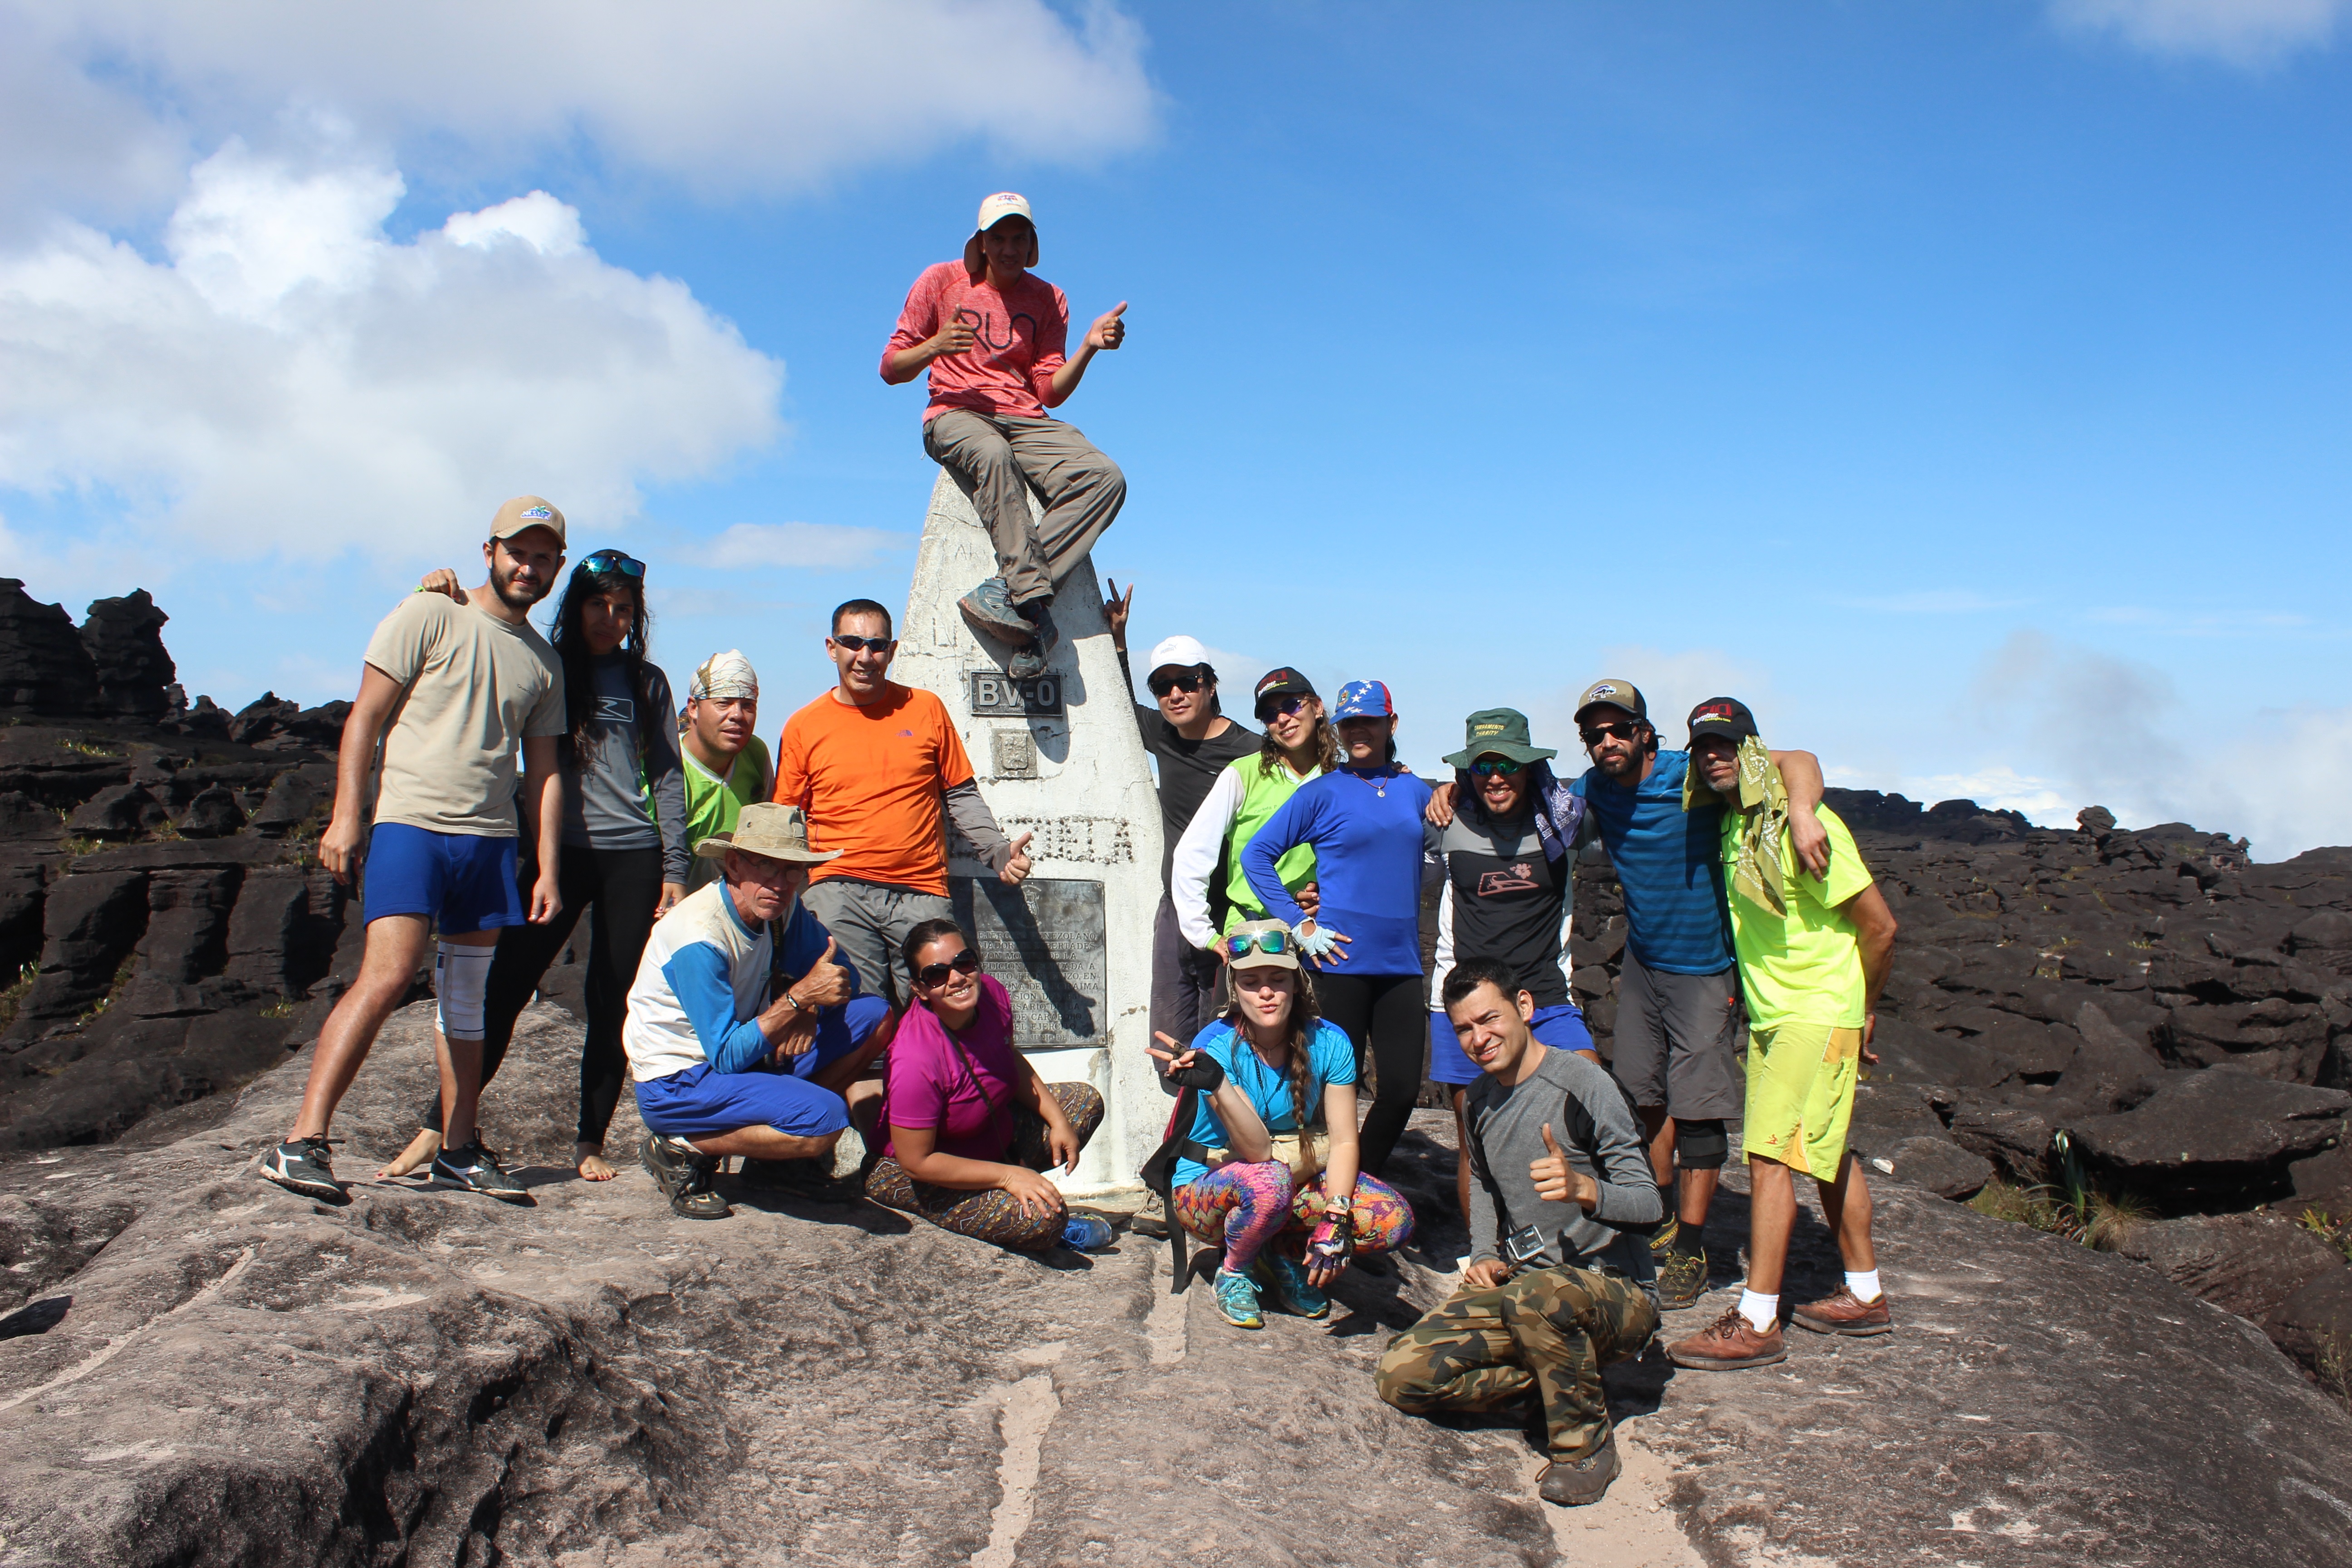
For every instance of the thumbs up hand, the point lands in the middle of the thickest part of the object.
(1108, 332)
(1556, 1180)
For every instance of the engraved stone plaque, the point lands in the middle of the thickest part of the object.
(1044, 940)
(1015, 754)
(995, 695)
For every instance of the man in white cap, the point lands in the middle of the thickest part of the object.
(722, 1069)
(727, 765)
(1195, 741)
(996, 340)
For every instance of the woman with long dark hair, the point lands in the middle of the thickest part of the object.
(1364, 821)
(1205, 881)
(625, 850)
(1269, 1168)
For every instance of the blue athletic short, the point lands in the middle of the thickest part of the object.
(463, 881)
(699, 1103)
(1561, 1027)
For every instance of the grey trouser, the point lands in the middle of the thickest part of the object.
(1677, 1040)
(1183, 983)
(995, 458)
(867, 921)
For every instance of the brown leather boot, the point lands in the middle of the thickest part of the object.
(1844, 1313)
(1728, 1344)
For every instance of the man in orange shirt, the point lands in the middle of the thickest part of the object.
(872, 763)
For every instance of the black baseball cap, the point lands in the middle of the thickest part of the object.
(1283, 682)
(1725, 716)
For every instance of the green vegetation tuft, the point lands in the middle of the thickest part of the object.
(2071, 1206)
(14, 996)
(2336, 1233)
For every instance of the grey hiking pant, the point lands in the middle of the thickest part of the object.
(867, 921)
(997, 458)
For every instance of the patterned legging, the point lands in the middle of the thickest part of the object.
(1248, 1205)
(992, 1216)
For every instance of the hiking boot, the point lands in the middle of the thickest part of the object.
(1728, 1344)
(1662, 1240)
(683, 1174)
(1844, 1313)
(1237, 1299)
(300, 1165)
(987, 610)
(1682, 1279)
(805, 1180)
(1286, 1284)
(477, 1170)
(1151, 1219)
(1573, 1483)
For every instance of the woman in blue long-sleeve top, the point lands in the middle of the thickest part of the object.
(1364, 819)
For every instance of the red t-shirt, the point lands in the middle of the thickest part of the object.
(1021, 340)
(869, 779)
(961, 1086)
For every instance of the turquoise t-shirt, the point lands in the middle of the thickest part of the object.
(1331, 1058)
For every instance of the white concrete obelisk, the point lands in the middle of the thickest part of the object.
(1058, 757)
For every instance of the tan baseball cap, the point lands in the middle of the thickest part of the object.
(1611, 692)
(1266, 943)
(524, 514)
(763, 827)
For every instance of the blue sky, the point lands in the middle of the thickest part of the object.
(1963, 383)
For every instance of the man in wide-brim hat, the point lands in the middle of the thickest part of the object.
(722, 1068)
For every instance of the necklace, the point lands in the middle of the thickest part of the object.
(1380, 786)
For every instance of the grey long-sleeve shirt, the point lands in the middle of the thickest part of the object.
(972, 819)
(1597, 1131)
(630, 791)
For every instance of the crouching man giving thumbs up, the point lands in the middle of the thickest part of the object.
(1560, 1282)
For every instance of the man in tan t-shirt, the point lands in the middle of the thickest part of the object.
(454, 689)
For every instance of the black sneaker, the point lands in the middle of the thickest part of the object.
(300, 1165)
(1029, 662)
(477, 1170)
(809, 1181)
(685, 1174)
(1574, 1483)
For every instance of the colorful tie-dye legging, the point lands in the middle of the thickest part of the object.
(1249, 1205)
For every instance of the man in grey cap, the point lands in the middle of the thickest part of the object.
(996, 340)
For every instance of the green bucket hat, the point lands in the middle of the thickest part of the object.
(1502, 731)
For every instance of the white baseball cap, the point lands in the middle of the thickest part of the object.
(1003, 205)
(1181, 651)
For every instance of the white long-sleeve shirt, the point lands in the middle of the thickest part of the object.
(1198, 852)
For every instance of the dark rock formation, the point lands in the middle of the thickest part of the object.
(125, 640)
(43, 667)
(2203, 1132)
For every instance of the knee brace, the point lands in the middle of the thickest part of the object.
(461, 976)
(1700, 1146)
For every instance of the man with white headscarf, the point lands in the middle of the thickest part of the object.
(727, 765)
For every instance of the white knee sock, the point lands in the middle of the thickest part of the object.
(1864, 1286)
(1761, 1310)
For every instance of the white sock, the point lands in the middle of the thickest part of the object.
(1864, 1286)
(1761, 1312)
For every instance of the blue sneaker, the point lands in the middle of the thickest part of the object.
(987, 610)
(1286, 1284)
(1237, 1299)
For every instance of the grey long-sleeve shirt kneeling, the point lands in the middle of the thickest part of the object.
(1597, 1131)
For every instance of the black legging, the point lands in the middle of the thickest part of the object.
(1386, 1008)
(623, 885)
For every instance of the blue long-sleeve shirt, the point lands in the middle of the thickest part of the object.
(1368, 866)
(708, 980)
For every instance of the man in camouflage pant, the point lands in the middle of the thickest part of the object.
(1561, 1282)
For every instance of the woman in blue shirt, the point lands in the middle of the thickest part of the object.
(1287, 1202)
(1364, 819)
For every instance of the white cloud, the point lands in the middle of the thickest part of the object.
(2248, 33)
(287, 377)
(723, 95)
(798, 545)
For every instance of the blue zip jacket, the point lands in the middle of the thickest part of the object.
(1367, 865)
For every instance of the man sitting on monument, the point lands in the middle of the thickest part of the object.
(727, 765)
(995, 339)
(873, 763)
(719, 1069)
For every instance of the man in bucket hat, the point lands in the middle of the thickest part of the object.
(720, 1068)
(995, 339)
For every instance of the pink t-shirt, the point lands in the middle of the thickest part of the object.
(1021, 339)
(962, 1086)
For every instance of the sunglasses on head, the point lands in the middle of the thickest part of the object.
(1162, 685)
(609, 561)
(1487, 767)
(932, 974)
(860, 645)
(1273, 944)
(1597, 733)
(1284, 706)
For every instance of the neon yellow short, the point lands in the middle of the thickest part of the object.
(1801, 1095)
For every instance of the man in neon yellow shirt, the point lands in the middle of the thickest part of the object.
(727, 765)
(1812, 955)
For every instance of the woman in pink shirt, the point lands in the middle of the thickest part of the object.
(972, 1128)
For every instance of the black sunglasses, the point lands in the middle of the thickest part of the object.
(930, 974)
(1599, 733)
(860, 645)
(1162, 685)
(608, 561)
(1286, 706)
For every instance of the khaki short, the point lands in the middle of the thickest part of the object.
(1801, 1095)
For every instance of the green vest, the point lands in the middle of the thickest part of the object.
(1261, 796)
